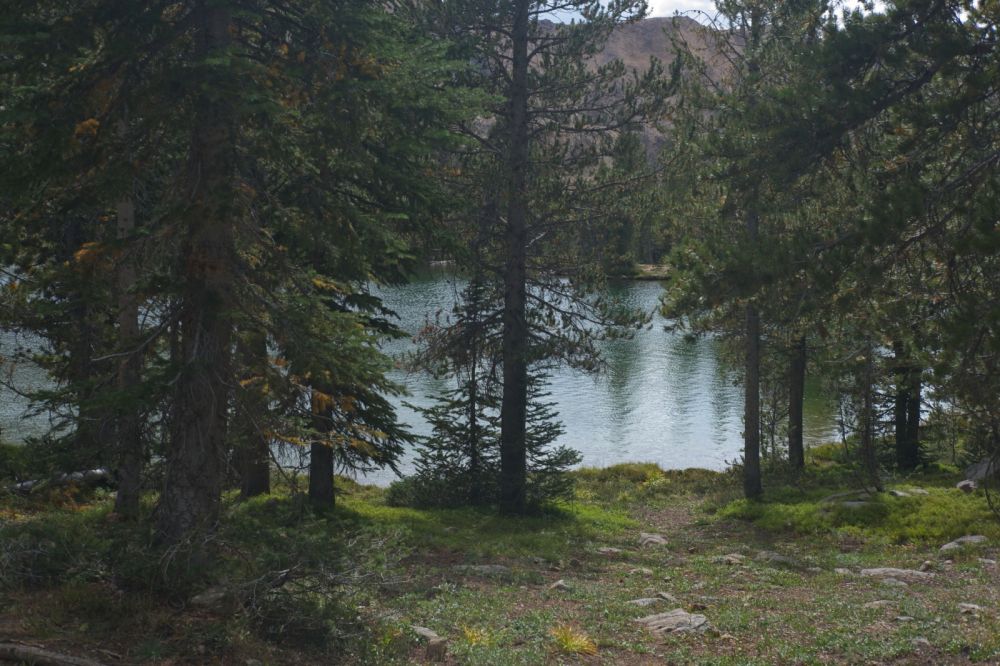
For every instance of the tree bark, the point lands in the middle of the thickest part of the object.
(131, 456)
(752, 487)
(796, 403)
(196, 457)
(253, 452)
(321, 489)
(868, 460)
(913, 416)
(513, 409)
(906, 406)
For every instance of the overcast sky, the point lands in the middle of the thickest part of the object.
(669, 7)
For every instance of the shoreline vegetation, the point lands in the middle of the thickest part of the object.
(814, 573)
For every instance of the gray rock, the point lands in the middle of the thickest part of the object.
(966, 486)
(899, 493)
(560, 585)
(919, 491)
(987, 562)
(731, 559)
(893, 582)
(646, 601)
(666, 596)
(908, 575)
(647, 539)
(904, 618)
(424, 632)
(772, 557)
(843, 572)
(855, 504)
(675, 621)
(609, 550)
(814, 570)
(880, 603)
(640, 571)
(213, 598)
(962, 542)
(487, 570)
(921, 642)
(926, 565)
(970, 609)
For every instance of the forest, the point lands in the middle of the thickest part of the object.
(204, 202)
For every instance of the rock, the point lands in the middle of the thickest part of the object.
(675, 621)
(907, 575)
(962, 542)
(731, 559)
(646, 601)
(893, 582)
(899, 493)
(647, 539)
(609, 550)
(487, 570)
(424, 632)
(772, 557)
(904, 618)
(920, 642)
(213, 598)
(814, 570)
(919, 491)
(981, 470)
(855, 504)
(926, 565)
(881, 603)
(987, 562)
(640, 571)
(843, 572)
(970, 609)
(560, 585)
(666, 596)
(966, 486)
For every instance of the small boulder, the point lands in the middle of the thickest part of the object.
(893, 582)
(966, 486)
(214, 598)
(731, 559)
(640, 571)
(560, 585)
(921, 642)
(609, 550)
(962, 542)
(987, 562)
(970, 609)
(855, 504)
(899, 493)
(907, 575)
(904, 618)
(919, 491)
(666, 596)
(647, 539)
(771, 557)
(646, 601)
(424, 632)
(880, 603)
(925, 566)
(981, 470)
(675, 621)
(841, 571)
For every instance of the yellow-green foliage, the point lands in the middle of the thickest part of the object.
(944, 514)
(571, 640)
(631, 482)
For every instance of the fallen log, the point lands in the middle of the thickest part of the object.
(36, 656)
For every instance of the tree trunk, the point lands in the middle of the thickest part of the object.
(321, 490)
(131, 456)
(253, 452)
(868, 459)
(513, 409)
(913, 417)
(796, 402)
(196, 459)
(752, 487)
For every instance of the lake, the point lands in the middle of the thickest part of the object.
(662, 398)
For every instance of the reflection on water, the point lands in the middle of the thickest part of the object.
(662, 397)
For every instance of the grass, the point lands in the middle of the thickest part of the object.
(74, 579)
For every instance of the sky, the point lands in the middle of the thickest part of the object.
(669, 7)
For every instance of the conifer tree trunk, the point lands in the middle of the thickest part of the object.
(913, 417)
(196, 459)
(868, 460)
(131, 456)
(796, 402)
(906, 406)
(751, 403)
(321, 490)
(253, 449)
(513, 410)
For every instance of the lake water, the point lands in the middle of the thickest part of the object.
(662, 398)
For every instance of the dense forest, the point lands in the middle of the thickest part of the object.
(202, 201)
